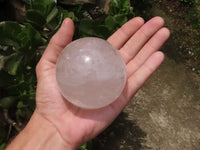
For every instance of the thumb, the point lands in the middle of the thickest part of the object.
(57, 43)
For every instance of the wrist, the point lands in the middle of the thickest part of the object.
(39, 134)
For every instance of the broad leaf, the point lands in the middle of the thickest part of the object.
(8, 102)
(89, 27)
(39, 7)
(44, 6)
(67, 14)
(3, 134)
(35, 18)
(2, 146)
(110, 23)
(52, 15)
(116, 21)
(125, 3)
(8, 41)
(9, 28)
(120, 19)
(30, 38)
(5, 79)
(54, 24)
(5, 50)
(8, 33)
(12, 63)
(20, 105)
(120, 7)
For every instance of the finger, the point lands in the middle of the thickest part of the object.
(136, 80)
(137, 41)
(119, 38)
(150, 47)
(57, 43)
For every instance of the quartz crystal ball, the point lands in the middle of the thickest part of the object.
(90, 73)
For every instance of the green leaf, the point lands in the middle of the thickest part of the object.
(8, 102)
(12, 63)
(22, 37)
(21, 113)
(54, 24)
(21, 105)
(44, 6)
(2, 146)
(52, 15)
(44, 2)
(38, 7)
(120, 7)
(4, 51)
(3, 134)
(86, 146)
(30, 101)
(120, 19)
(17, 88)
(83, 147)
(30, 38)
(67, 14)
(116, 21)
(125, 3)
(110, 23)
(72, 16)
(5, 79)
(35, 18)
(24, 112)
(9, 28)
(36, 38)
(8, 42)
(89, 27)
(8, 32)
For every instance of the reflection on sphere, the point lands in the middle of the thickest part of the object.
(90, 73)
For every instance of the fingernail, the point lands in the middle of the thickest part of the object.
(65, 21)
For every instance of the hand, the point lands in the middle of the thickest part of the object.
(138, 44)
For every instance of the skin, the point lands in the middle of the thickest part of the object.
(56, 123)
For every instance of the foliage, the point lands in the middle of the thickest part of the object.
(194, 17)
(2, 138)
(86, 146)
(2, 146)
(141, 7)
(185, 27)
(189, 1)
(189, 47)
(19, 44)
(120, 7)
(119, 13)
(22, 46)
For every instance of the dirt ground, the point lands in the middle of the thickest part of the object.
(165, 113)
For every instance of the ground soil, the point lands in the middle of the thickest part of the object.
(165, 113)
(184, 32)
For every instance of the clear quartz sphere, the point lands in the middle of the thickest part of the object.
(90, 73)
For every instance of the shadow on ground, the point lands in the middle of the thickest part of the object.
(123, 134)
(165, 112)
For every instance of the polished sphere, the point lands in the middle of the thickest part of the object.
(90, 73)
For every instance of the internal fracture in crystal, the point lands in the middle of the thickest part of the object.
(90, 73)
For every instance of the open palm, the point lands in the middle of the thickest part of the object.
(138, 44)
